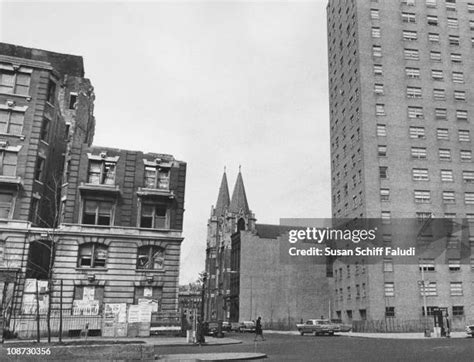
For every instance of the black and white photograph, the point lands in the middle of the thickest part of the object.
(213, 180)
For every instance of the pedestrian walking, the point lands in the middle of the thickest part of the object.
(258, 329)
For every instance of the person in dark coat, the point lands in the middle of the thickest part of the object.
(258, 329)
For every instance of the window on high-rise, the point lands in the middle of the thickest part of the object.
(374, 14)
(431, 3)
(442, 134)
(468, 176)
(413, 73)
(449, 197)
(389, 289)
(435, 56)
(411, 54)
(469, 198)
(414, 92)
(417, 132)
(444, 154)
(418, 152)
(433, 37)
(454, 40)
(459, 95)
(455, 288)
(447, 176)
(408, 17)
(453, 23)
(376, 50)
(382, 150)
(380, 109)
(415, 112)
(426, 264)
(437, 74)
(458, 77)
(458, 310)
(97, 212)
(381, 130)
(378, 69)
(441, 114)
(383, 172)
(470, 7)
(465, 155)
(461, 115)
(409, 35)
(439, 94)
(384, 194)
(464, 135)
(378, 88)
(432, 20)
(420, 174)
(375, 32)
(456, 58)
(422, 196)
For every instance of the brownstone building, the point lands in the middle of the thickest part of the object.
(104, 221)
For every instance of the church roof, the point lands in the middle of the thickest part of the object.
(223, 199)
(269, 231)
(239, 198)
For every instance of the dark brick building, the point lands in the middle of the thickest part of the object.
(107, 222)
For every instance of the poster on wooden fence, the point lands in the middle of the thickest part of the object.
(151, 302)
(116, 312)
(85, 307)
(29, 304)
(133, 313)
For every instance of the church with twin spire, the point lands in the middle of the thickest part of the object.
(228, 216)
(248, 272)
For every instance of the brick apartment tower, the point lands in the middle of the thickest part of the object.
(401, 90)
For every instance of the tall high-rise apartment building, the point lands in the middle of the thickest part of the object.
(401, 112)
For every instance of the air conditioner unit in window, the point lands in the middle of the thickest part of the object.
(157, 160)
(10, 104)
(103, 154)
(3, 144)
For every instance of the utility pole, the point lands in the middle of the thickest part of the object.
(423, 286)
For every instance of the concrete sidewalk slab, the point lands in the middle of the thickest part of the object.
(156, 341)
(188, 357)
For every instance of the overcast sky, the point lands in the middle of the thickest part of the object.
(213, 83)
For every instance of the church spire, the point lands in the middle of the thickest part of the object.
(239, 198)
(223, 200)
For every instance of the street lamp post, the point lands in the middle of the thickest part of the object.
(204, 279)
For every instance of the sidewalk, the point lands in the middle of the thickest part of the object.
(155, 341)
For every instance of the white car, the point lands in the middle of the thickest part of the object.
(470, 330)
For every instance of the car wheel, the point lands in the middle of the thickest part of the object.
(331, 333)
(302, 333)
(316, 334)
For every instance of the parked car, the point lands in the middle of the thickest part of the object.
(226, 326)
(341, 327)
(247, 326)
(318, 327)
(470, 330)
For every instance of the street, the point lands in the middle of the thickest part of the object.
(280, 347)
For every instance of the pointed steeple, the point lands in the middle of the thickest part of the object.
(223, 200)
(239, 198)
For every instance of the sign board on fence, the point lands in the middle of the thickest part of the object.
(116, 312)
(85, 307)
(133, 313)
(152, 302)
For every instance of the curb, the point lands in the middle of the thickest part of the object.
(211, 357)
